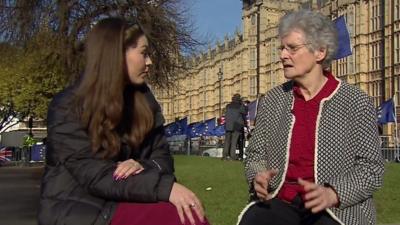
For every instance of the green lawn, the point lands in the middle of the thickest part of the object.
(228, 195)
(387, 199)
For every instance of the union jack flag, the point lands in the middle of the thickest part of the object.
(221, 120)
(5, 154)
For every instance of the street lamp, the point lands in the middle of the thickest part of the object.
(30, 125)
(220, 76)
(258, 46)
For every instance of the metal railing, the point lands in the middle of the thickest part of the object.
(391, 154)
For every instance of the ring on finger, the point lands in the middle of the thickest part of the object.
(192, 205)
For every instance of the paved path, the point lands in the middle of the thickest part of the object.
(19, 194)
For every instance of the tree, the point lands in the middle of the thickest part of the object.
(165, 23)
(8, 115)
(43, 46)
(27, 84)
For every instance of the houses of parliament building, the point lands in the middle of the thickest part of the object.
(248, 62)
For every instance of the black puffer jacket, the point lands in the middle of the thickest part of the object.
(78, 188)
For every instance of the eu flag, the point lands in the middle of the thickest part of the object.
(202, 128)
(344, 46)
(192, 128)
(386, 112)
(38, 152)
(217, 131)
(209, 125)
(176, 128)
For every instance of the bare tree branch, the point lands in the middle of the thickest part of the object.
(164, 21)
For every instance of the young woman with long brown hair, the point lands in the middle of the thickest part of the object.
(108, 161)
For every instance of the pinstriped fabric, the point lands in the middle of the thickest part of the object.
(347, 148)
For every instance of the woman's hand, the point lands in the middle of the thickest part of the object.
(186, 202)
(261, 182)
(127, 168)
(317, 197)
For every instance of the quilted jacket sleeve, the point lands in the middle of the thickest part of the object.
(69, 145)
(156, 153)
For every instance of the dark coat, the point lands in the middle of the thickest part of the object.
(78, 188)
(235, 116)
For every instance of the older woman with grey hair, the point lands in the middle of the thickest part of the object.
(314, 157)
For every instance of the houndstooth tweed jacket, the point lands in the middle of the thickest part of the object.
(347, 154)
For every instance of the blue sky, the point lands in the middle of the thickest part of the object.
(215, 18)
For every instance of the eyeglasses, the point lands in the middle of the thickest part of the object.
(291, 49)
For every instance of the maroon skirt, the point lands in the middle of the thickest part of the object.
(159, 213)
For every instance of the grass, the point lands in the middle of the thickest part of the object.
(226, 178)
(228, 195)
(387, 199)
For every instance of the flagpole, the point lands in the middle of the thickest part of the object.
(395, 127)
(255, 116)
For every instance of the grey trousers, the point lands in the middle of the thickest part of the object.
(231, 140)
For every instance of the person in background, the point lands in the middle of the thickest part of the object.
(243, 134)
(108, 161)
(314, 156)
(234, 123)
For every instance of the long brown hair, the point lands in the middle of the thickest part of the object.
(103, 95)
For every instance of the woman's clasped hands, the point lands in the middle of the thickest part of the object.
(127, 168)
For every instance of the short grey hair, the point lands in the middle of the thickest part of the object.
(318, 29)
